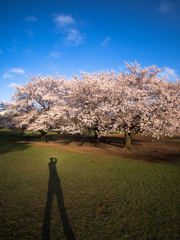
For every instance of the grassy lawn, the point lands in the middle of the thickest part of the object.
(85, 196)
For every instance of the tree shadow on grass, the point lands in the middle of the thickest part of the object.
(7, 147)
(54, 188)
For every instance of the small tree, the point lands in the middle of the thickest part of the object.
(2, 111)
(6, 117)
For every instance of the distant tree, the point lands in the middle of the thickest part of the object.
(5, 117)
(1, 114)
(2, 107)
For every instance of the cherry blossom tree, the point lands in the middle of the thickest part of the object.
(39, 104)
(88, 96)
(166, 110)
(145, 103)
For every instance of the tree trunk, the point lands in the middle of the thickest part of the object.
(97, 138)
(43, 136)
(89, 131)
(127, 140)
(22, 132)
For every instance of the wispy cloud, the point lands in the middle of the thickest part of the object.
(31, 19)
(7, 75)
(167, 7)
(30, 33)
(18, 70)
(29, 51)
(54, 54)
(67, 25)
(74, 38)
(105, 42)
(169, 73)
(1, 51)
(12, 85)
(63, 20)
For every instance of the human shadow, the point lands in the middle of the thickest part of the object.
(54, 188)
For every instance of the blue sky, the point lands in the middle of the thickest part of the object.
(63, 37)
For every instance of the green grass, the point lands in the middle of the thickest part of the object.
(99, 196)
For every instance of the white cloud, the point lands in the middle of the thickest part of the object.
(63, 20)
(12, 85)
(55, 54)
(18, 70)
(31, 18)
(104, 43)
(169, 73)
(30, 33)
(73, 38)
(0, 51)
(166, 7)
(7, 75)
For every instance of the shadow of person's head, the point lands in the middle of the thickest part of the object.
(53, 160)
